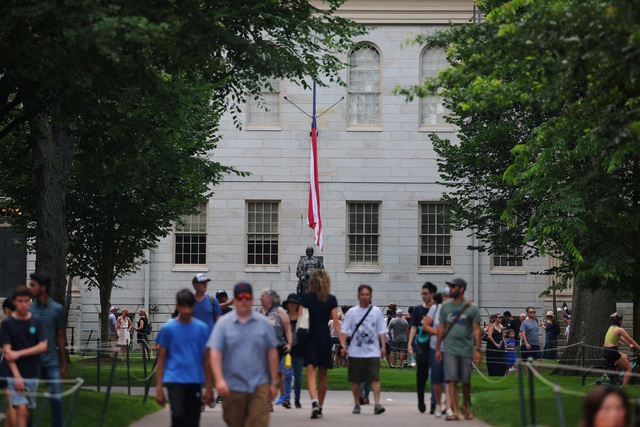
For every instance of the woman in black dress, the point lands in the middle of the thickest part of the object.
(316, 349)
(496, 360)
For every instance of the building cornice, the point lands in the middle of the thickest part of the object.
(388, 12)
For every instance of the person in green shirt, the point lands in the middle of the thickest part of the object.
(460, 330)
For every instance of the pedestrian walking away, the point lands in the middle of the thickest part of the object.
(316, 348)
(365, 326)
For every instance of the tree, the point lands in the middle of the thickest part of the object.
(58, 58)
(545, 96)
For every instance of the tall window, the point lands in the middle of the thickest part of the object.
(263, 109)
(364, 86)
(191, 238)
(262, 233)
(435, 236)
(514, 260)
(363, 232)
(432, 111)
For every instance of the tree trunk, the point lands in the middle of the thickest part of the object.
(589, 322)
(105, 288)
(52, 152)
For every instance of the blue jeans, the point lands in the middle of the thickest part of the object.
(296, 364)
(288, 376)
(55, 388)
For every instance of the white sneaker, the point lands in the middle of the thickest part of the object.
(449, 412)
(437, 412)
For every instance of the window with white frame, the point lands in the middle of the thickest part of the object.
(191, 239)
(263, 109)
(263, 233)
(364, 86)
(435, 236)
(432, 110)
(363, 233)
(514, 260)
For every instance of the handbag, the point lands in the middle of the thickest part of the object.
(302, 327)
(423, 336)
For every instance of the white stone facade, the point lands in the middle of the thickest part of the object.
(393, 164)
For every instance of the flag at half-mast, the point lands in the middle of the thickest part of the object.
(314, 219)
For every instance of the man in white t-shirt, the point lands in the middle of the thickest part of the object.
(367, 346)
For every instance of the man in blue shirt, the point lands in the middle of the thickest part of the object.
(207, 309)
(54, 360)
(244, 360)
(181, 363)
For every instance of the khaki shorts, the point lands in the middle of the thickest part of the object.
(457, 368)
(364, 369)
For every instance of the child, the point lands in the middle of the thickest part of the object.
(23, 340)
(511, 352)
(182, 363)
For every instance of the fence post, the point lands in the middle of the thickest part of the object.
(72, 349)
(582, 353)
(523, 414)
(147, 383)
(532, 397)
(560, 407)
(98, 363)
(108, 393)
(72, 405)
(128, 372)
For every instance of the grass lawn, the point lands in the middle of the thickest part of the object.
(494, 400)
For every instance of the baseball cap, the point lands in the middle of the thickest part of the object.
(221, 292)
(457, 282)
(200, 278)
(399, 311)
(242, 287)
(113, 308)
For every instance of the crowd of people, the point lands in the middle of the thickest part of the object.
(251, 355)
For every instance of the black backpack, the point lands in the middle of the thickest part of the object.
(148, 328)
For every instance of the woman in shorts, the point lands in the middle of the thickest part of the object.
(614, 335)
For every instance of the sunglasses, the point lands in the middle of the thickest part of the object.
(499, 317)
(243, 296)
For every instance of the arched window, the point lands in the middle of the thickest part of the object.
(364, 86)
(432, 111)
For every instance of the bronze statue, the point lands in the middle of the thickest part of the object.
(306, 265)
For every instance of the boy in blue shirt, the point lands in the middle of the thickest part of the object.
(181, 363)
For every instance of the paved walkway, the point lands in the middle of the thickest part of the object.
(401, 409)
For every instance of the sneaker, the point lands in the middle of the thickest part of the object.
(362, 400)
(432, 410)
(270, 407)
(422, 407)
(366, 401)
(218, 399)
(378, 409)
(298, 405)
(315, 410)
(438, 413)
(356, 409)
(448, 412)
(320, 413)
(286, 404)
(280, 400)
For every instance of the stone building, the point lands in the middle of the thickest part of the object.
(380, 197)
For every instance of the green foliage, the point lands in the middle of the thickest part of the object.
(544, 94)
(134, 91)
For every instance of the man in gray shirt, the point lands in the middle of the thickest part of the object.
(244, 361)
(529, 341)
(398, 328)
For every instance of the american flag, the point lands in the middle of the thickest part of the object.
(313, 216)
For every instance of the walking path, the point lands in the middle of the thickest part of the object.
(401, 409)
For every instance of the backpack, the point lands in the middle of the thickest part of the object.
(148, 328)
